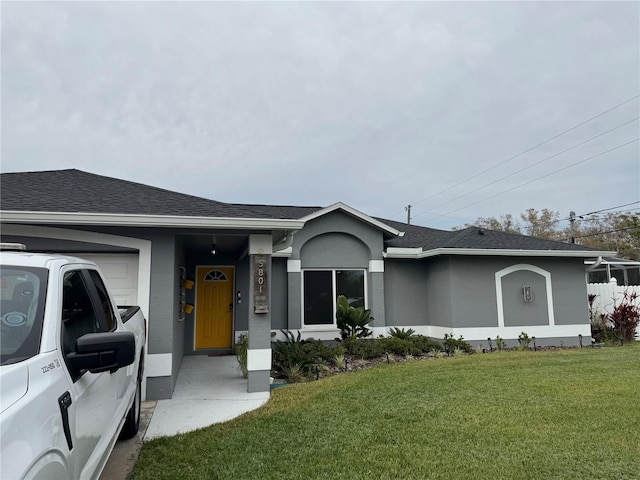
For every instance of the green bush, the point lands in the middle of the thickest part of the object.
(524, 341)
(363, 348)
(352, 321)
(401, 333)
(323, 352)
(398, 346)
(291, 355)
(451, 344)
(425, 344)
(240, 349)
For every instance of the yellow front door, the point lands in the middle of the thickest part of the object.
(214, 307)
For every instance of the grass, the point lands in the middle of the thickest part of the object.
(569, 414)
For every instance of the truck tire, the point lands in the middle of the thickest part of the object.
(132, 422)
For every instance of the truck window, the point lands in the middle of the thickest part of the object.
(79, 316)
(109, 314)
(22, 294)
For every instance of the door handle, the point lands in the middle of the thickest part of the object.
(231, 307)
(65, 402)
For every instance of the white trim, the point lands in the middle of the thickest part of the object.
(260, 245)
(518, 268)
(258, 359)
(294, 266)
(284, 253)
(139, 220)
(417, 253)
(327, 334)
(397, 252)
(158, 365)
(376, 266)
(483, 333)
(352, 211)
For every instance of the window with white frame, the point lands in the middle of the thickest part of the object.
(321, 289)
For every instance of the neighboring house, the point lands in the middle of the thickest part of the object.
(261, 268)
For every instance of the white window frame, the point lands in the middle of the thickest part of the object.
(330, 326)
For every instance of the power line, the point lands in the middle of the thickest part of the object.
(529, 149)
(541, 177)
(607, 231)
(612, 208)
(536, 163)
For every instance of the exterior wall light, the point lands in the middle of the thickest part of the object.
(527, 294)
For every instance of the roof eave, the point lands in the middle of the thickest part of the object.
(418, 253)
(356, 213)
(83, 218)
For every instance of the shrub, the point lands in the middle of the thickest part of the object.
(602, 329)
(401, 333)
(240, 349)
(323, 352)
(625, 317)
(425, 344)
(451, 343)
(500, 343)
(340, 362)
(363, 348)
(352, 321)
(292, 355)
(523, 341)
(398, 346)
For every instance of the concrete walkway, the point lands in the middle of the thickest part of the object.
(209, 390)
(126, 452)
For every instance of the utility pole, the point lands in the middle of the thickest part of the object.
(408, 210)
(572, 226)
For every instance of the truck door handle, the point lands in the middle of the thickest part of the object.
(65, 402)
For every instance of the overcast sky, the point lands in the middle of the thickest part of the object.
(378, 105)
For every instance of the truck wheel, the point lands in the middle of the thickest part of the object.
(132, 422)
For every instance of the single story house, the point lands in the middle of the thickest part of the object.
(205, 272)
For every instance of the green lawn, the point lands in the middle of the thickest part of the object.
(563, 414)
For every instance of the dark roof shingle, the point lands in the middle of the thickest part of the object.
(77, 191)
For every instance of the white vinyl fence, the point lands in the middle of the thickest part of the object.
(608, 294)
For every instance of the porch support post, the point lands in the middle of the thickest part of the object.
(259, 353)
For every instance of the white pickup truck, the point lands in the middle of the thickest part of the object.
(71, 367)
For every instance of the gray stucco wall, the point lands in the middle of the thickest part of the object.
(242, 285)
(460, 291)
(333, 241)
(406, 284)
(279, 294)
(178, 325)
(439, 292)
(517, 312)
(473, 290)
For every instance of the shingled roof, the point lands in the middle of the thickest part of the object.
(77, 191)
(474, 238)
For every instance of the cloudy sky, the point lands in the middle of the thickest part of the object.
(375, 104)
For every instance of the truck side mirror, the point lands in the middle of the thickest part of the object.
(99, 352)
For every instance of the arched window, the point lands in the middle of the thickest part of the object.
(215, 276)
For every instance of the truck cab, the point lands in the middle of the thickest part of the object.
(71, 367)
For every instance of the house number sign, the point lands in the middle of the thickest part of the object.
(261, 283)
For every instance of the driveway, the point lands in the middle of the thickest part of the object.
(125, 453)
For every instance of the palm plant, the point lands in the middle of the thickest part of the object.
(352, 321)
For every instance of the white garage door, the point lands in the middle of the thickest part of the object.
(120, 273)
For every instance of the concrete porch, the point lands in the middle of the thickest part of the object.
(208, 390)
